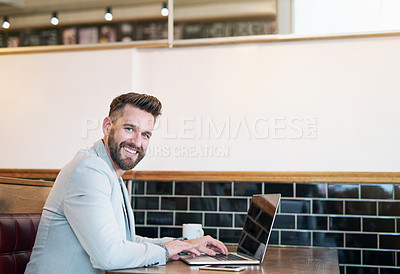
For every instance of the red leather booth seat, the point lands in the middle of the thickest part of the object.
(17, 236)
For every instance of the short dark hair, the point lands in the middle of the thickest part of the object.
(144, 102)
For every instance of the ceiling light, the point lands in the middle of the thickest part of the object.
(164, 10)
(54, 20)
(6, 24)
(108, 16)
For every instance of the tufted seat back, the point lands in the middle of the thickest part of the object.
(17, 236)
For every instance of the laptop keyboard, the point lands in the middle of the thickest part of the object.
(229, 257)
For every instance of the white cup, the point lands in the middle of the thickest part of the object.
(192, 231)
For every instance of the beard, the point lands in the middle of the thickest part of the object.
(115, 153)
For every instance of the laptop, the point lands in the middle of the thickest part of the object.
(253, 239)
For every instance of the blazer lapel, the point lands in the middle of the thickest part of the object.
(128, 212)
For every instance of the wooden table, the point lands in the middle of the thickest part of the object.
(277, 260)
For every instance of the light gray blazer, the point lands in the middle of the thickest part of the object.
(85, 226)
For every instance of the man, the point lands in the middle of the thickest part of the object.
(87, 223)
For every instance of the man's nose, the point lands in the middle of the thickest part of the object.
(137, 140)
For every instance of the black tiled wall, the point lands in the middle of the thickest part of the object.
(362, 221)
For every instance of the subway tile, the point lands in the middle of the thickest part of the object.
(398, 229)
(284, 221)
(145, 202)
(397, 192)
(345, 223)
(398, 258)
(389, 270)
(342, 190)
(220, 220)
(160, 218)
(240, 219)
(230, 236)
(378, 191)
(361, 240)
(159, 187)
(247, 188)
(211, 231)
(389, 241)
(360, 208)
(317, 190)
(233, 204)
(328, 239)
(342, 238)
(218, 188)
(312, 222)
(147, 231)
(342, 269)
(203, 204)
(187, 188)
(285, 189)
(361, 270)
(137, 187)
(173, 232)
(274, 238)
(349, 256)
(228, 228)
(185, 218)
(327, 207)
(139, 217)
(389, 208)
(378, 224)
(375, 257)
(174, 203)
(295, 206)
(296, 238)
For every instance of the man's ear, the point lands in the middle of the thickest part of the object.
(106, 126)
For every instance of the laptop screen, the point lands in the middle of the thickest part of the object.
(258, 225)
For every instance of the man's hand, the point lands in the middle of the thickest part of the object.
(175, 247)
(209, 245)
(205, 244)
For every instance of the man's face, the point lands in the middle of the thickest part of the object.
(129, 137)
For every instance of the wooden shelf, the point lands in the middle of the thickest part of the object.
(236, 176)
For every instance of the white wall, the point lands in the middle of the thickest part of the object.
(48, 99)
(311, 105)
(344, 16)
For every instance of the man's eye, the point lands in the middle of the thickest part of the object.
(129, 129)
(145, 135)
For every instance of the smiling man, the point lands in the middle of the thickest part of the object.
(87, 224)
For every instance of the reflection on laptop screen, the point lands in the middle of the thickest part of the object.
(258, 225)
